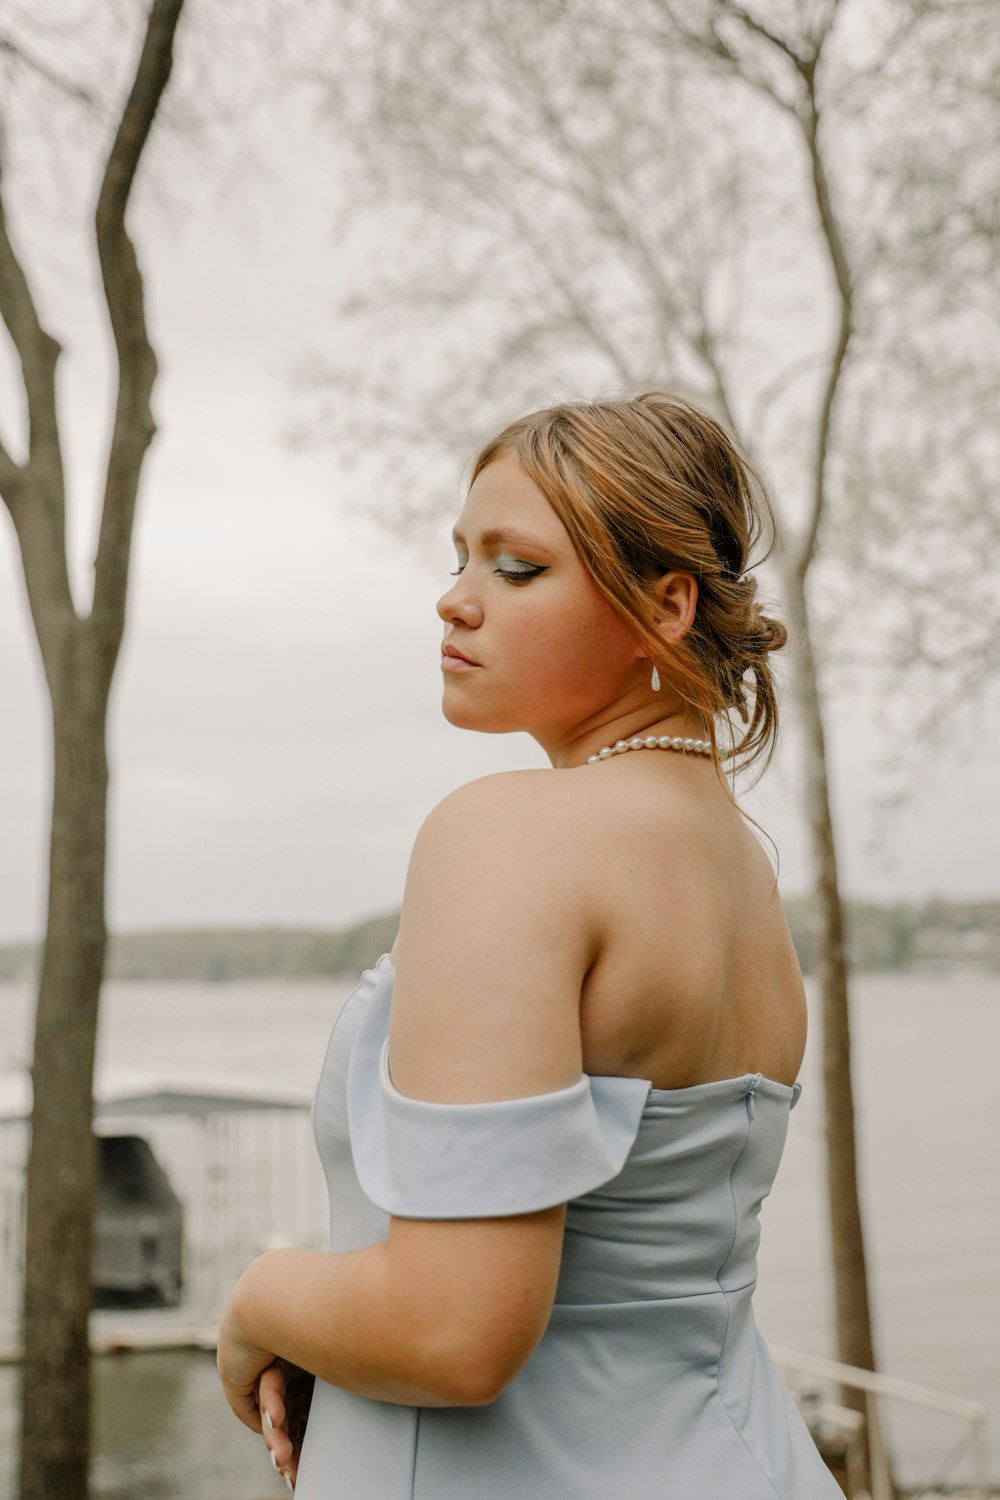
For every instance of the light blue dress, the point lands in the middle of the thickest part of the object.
(651, 1379)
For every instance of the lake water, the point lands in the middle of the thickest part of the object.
(926, 1063)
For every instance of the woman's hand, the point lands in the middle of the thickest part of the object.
(240, 1363)
(284, 1393)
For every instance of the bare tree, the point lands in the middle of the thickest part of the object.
(79, 653)
(703, 195)
(783, 62)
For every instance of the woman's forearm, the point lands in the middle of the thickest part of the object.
(345, 1318)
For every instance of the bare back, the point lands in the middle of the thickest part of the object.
(620, 917)
(694, 976)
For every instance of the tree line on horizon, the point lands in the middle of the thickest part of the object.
(898, 937)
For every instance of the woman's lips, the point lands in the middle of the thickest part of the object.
(452, 660)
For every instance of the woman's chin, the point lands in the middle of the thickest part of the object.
(469, 716)
(460, 716)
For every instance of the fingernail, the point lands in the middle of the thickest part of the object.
(274, 1458)
(289, 1484)
(268, 1424)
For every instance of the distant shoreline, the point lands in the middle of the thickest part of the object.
(220, 953)
(930, 937)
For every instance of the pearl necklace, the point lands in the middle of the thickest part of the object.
(652, 742)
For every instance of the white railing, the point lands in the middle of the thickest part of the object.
(249, 1180)
(971, 1439)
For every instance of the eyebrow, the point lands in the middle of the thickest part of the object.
(496, 534)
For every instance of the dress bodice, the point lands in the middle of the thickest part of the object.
(651, 1369)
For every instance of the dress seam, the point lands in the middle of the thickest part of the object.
(735, 1425)
(416, 1440)
(737, 1429)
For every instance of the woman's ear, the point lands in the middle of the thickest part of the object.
(677, 599)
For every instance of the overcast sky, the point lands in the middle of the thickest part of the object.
(275, 733)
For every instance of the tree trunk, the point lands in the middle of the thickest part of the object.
(79, 657)
(56, 1381)
(852, 1309)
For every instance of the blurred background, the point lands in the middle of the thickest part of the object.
(369, 236)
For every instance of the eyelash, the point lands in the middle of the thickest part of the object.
(510, 574)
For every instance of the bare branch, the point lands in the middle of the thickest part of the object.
(777, 387)
(825, 27)
(66, 86)
(34, 493)
(711, 44)
(134, 426)
(593, 190)
(706, 346)
(11, 478)
(580, 312)
(809, 120)
(802, 62)
(596, 188)
(838, 259)
(38, 353)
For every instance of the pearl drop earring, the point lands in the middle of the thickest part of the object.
(655, 680)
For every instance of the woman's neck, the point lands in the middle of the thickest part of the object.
(655, 717)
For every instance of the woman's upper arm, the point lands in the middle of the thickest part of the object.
(476, 1295)
(491, 954)
(493, 946)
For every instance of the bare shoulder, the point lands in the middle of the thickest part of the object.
(491, 921)
(562, 828)
(516, 824)
(513, 798)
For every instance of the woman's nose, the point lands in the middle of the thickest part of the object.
(458, 604)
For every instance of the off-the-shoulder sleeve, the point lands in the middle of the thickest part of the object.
(420, 1160)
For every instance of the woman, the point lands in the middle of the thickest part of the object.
(547, 1155)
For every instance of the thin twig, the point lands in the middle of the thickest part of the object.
(68, 87)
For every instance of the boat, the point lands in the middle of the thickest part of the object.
(138, 1227)
(196, 1174)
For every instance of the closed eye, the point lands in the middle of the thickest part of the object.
(519, 573)
(513, 570)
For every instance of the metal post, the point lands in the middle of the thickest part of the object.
(879, 1476)
(980, 1455)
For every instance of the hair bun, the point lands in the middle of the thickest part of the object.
(748, 641)
(768, 634)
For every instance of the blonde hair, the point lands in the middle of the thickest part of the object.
(652, 484)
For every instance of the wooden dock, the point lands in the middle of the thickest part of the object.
(121, 1332)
